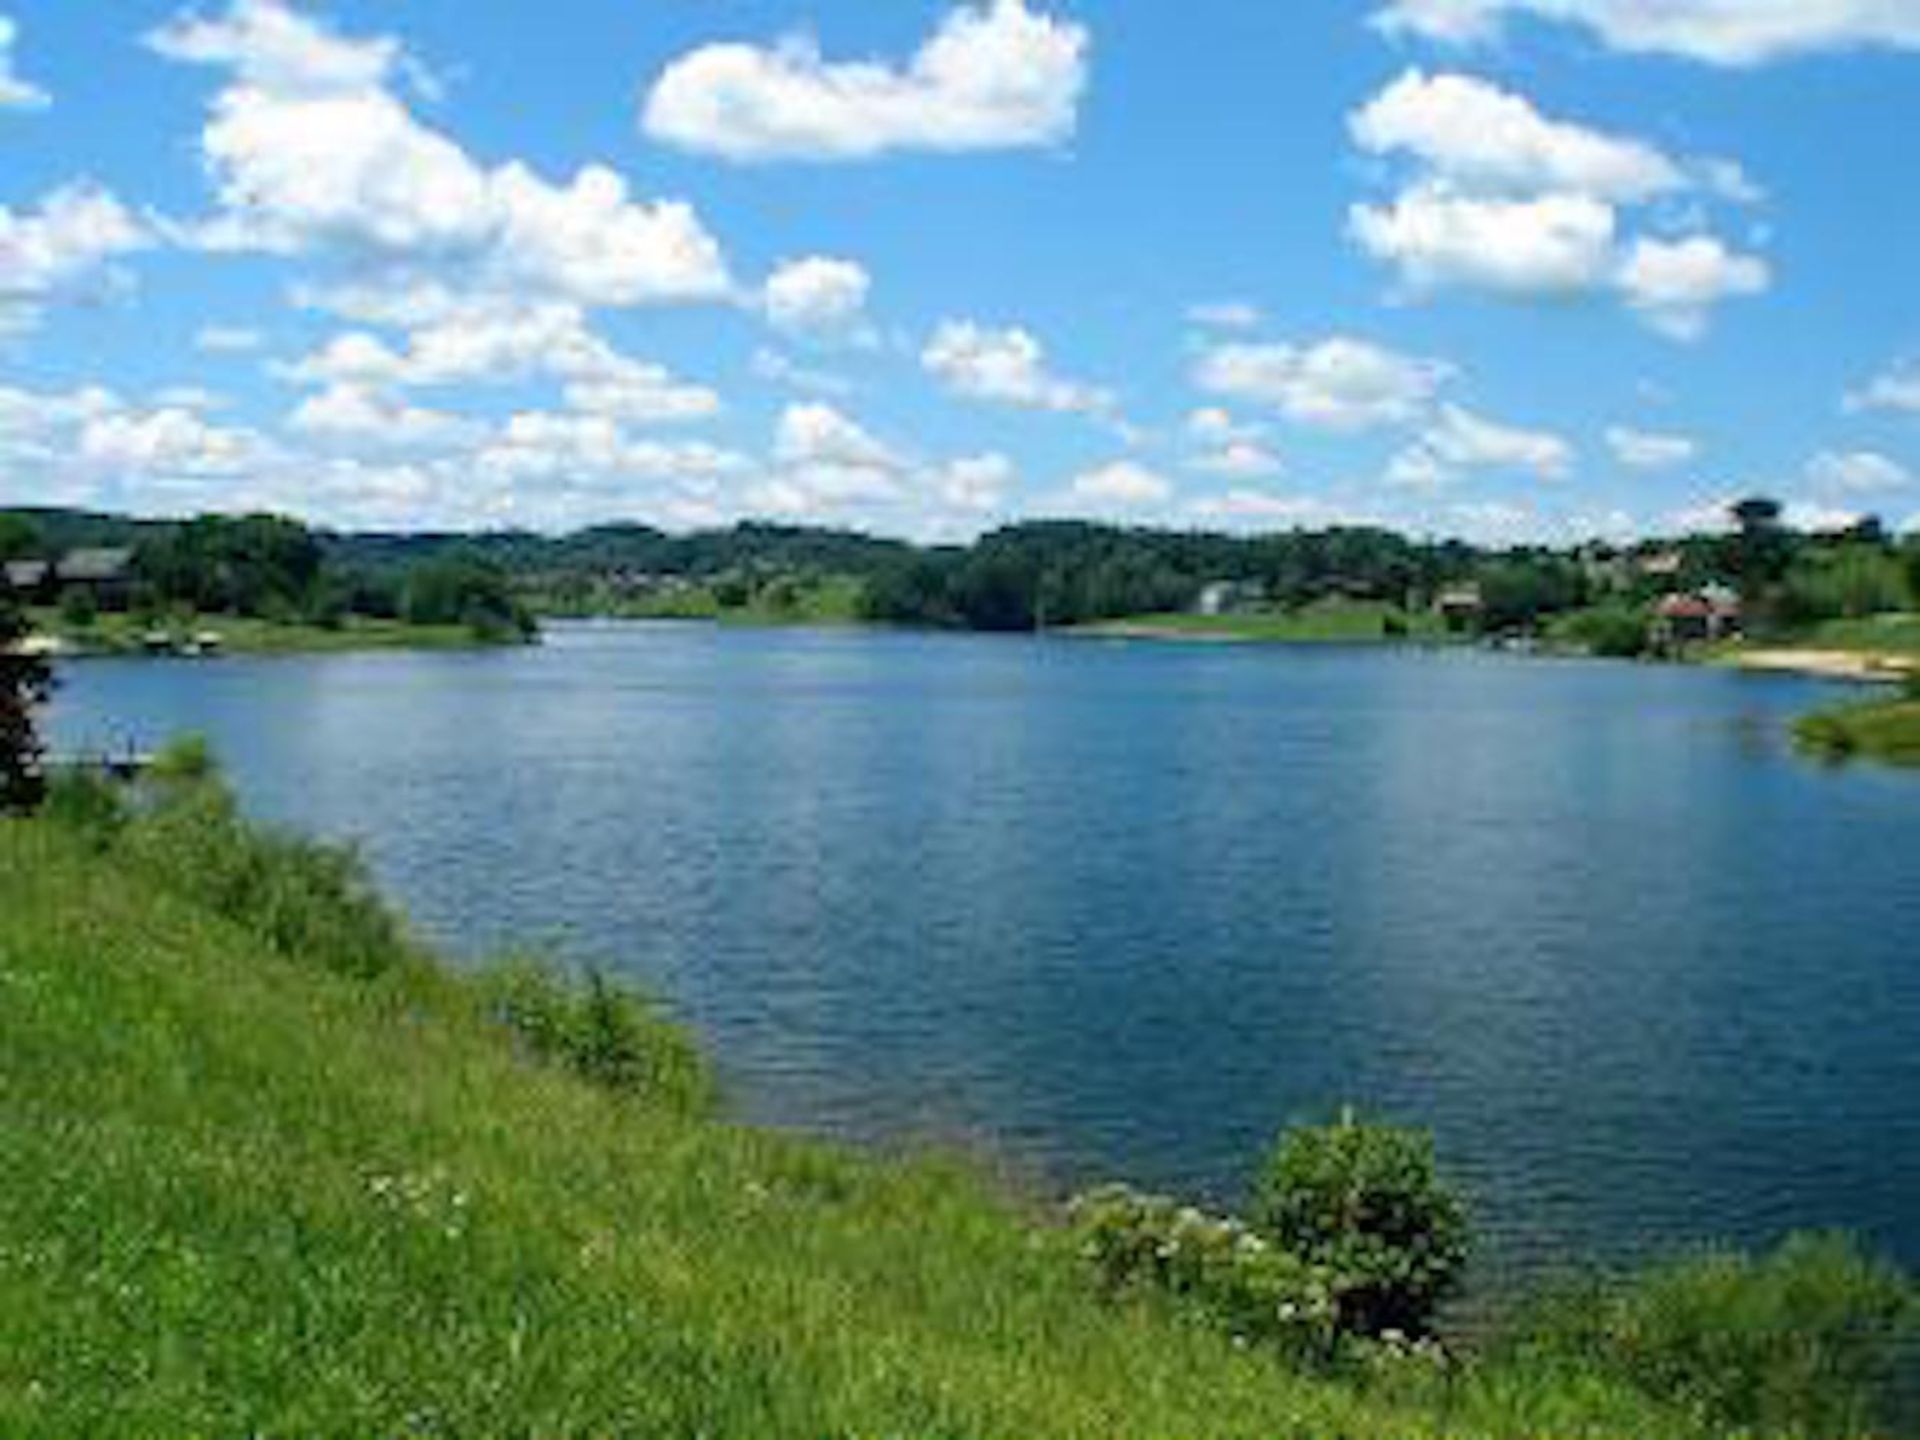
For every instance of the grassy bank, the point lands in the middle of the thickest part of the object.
(1896, 634)
(273, 1170)
(115, 634)
(797, 601)
(1883, 730)
(1342, 623)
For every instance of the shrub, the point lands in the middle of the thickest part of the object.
(88, 801)
(601, 1031)
(1811, 1339)
(1235, 1278)
(306, 898)
(25, 682)
(465, 589)
(186, 759)
(1825, 735)
(1614, 632)
(79, 610)
(1365, 1203)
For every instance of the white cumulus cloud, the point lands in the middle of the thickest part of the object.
(1497, 197)
(1857, 472)
(493, 343)
(310, 151)
(16, 93)
(976, 483)
(1650, 450)
(817, 434)
(1435, 237)
(1718, 32)
(1125, 484)
(1460, 438)
(1895, 388)
(63, 249)
(1005, 367)
(1473, 132)
(363, 419)
(818, 297)
(1247, 508)
(1336, 384)
(1675, 284)
(994, 76)
(1239, 460)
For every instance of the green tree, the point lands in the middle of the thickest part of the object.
(19, 537)
(1850, 580)
(78, 608)
(25, 682)
(249, 564)
(465, 589)
(1761, 548)
(1366, 1201)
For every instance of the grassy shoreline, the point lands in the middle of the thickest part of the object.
(258, 1200)
(274, 1168)
(1887, 731)
(1342, 624)
(121, 636)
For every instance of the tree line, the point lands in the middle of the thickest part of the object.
(272, 568)
(1022, 577)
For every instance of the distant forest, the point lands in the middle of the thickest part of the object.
(1023, 577)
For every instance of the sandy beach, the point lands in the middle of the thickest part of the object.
(1863, 666)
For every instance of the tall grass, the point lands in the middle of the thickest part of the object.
(1817, 1338)
(316, 903)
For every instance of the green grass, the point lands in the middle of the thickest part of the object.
(825, 600)
(1884, 730)
(1330, 623)
(832, 600)
(115, 634)
(1897, 634)
(249, 1194)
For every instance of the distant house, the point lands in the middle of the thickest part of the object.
(1663, 565)
(1702, 617)
(31, 581)
(1227, 597)
(105, 574)
(1460, 606)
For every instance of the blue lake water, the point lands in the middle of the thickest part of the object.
(1111, 909)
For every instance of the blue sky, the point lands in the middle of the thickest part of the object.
(1508, 269)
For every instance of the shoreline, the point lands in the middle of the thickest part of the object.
(227, 637)
(1865, 667)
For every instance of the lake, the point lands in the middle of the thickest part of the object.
(1107, 909)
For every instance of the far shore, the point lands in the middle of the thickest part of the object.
(1148, 630)
(212, 636)
(1862, 666)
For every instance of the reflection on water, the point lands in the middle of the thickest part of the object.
(1124, 909)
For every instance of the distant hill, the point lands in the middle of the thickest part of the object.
(57, 530)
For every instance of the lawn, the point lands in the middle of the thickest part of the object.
(1329, 623)
(1892, 633)
(116, 634)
